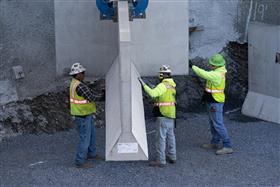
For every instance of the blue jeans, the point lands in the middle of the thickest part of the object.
(86, 130)
(217, 127)
(165, 134)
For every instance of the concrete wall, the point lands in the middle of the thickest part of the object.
(161, 38)
(82, 37)
(218, 19)
(257, 11)
(225, 21)
(27, 36)
(26, 39)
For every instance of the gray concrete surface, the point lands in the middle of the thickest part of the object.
(263, 99)
(47, 160)
(27, 39)
(256, 11)
(8, 92)
(81, 36)
(218, 20)
(161, 38)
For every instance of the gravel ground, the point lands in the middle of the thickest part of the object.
(47, 160)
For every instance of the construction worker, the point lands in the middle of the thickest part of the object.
(164, 96)
(83, 109)
(215, 97)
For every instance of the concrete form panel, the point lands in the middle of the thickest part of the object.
(263, 100)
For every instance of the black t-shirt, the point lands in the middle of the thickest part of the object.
(208, 98)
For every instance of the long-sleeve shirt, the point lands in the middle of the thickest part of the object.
(212, 76)
(84, 91)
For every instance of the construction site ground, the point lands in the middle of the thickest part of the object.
(48, 159)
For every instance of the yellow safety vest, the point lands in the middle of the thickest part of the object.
(218, 90)
(79, 105)
(167, 101)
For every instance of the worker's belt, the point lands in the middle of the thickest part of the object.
(216, 91)
(165, 104)
(75, 101)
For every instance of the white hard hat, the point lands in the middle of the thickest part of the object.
(164, 69)
(76, 68)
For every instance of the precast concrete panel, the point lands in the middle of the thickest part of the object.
(131, 141)
(263, 99)
(82, 37)
(138, 117)
(161, 38)
(113, 107)
(124, 140)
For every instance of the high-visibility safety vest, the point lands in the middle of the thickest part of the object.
(218, 90)
(164, 95)
(79, 105)
(215, 82)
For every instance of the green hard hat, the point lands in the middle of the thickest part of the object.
(217, 60)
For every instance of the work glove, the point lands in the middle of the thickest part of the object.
(190, 64)
(141, 81)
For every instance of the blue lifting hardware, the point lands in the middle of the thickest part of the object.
(108, 9)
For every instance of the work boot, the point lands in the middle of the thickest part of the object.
(96, 157)
(169, 160)
(156, 163)
(224, 150)
(85, 165)
(209, 146)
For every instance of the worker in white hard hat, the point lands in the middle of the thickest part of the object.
(83, 109)
(165, 111)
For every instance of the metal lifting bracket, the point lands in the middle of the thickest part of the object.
(108, 9)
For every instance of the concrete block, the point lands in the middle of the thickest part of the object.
(262, 106)
(8, 92)
(18, 71)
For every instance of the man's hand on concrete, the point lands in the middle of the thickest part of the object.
(141, 81)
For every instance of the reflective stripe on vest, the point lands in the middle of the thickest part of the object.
(72, 100)
(214, 91)
(76, 101)
(165, 104)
